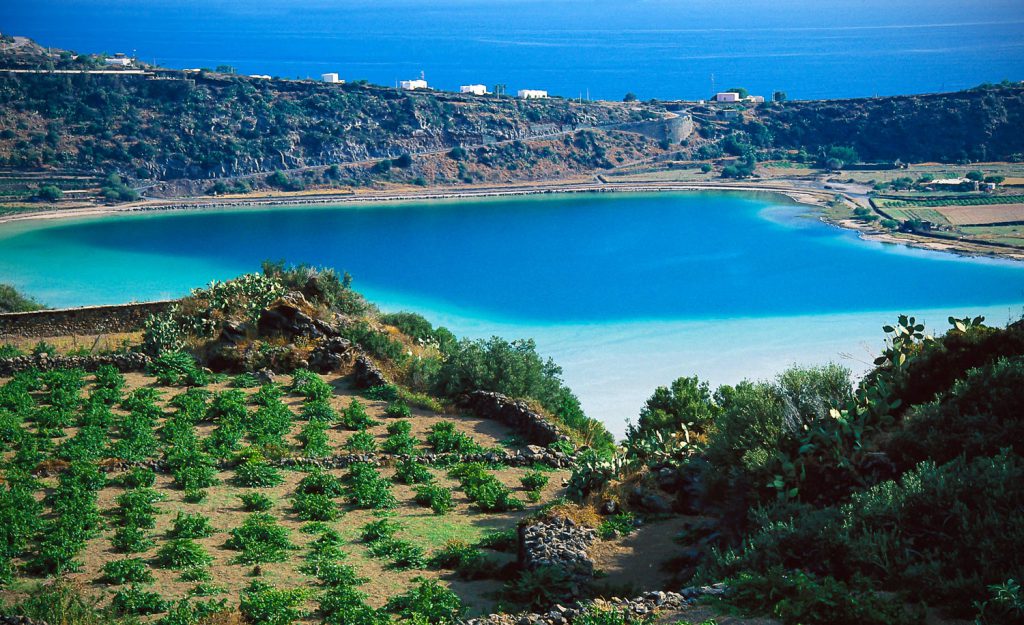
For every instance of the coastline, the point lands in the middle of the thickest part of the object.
(813, 197)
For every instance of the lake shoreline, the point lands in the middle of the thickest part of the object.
(810, 196)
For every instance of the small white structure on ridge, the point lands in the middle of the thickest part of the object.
(118, 59)
(330, 77)
(755, 99)
(412, 85)
(474, 89)
(532, 94)
(727, 96)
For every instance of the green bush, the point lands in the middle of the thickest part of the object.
(355, 417)
(367, 489)
(481, 487)
(397, 409)
(135, 601)
(616, 525)
(540, 588)
(256, 502)
(263, 604)
(128, 570)
(186, 525)
(177, 367)
(181, 553)
(310, 385)
(445, 438)
(314, 507)
(436, 496)
(430, 601)
(534, 482)
(254, 472)
(361, 441)
(798, 598)
(260, 539)
(400, 440)
(594, 615)
(319, 411)
(320, 483)
(410, 471)
(130, 540)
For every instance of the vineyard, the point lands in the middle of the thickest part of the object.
(162, 499)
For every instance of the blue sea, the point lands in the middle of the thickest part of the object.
(625, 291)
(666, 49)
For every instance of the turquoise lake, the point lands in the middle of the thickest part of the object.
(626, 292)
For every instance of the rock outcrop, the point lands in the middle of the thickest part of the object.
(517, 414)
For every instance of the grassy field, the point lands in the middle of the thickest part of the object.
(228, 572)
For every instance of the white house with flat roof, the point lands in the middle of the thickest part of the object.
(755, 99)
(474, 89)
(412, 85)
(532, 94)
(727, 96)
(119, 60)
(331, 77)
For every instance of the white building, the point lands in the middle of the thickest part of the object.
(331, 77)
(532, 94)
(474, 89)
(727, 96)
(412, 85)
(119, 60)
(260, 76)
(755, 99)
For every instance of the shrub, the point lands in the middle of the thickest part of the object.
(410, 471)
(484, 489)
(128, 570)
(254, 472)
(320, 483)
(500, 540)
(256, 502)
(177, 367)
(379, 530)
(403, 554)
(437, 497)
(540, 588)
(616, 525)
(455, 554)
(130, 540)
(444, 438)
(263, 604)
(355, 417)
(400, 440)
(135, 601)
(319, 411)
(397, 410)
(428, 600)
(187, 525)
(182, 553)
(260, 539)
(367, 489)
(310, 385)
(314, 507)
(534, 482)
(796, 597)
(361, 441)
(594, 615)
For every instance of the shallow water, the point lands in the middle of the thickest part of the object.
(625, 291)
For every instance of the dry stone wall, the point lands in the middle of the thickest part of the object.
(123, 362)
(76, 321)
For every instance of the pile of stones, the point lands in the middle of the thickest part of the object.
(558, 542)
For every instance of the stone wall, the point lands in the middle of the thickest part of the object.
(558, 542)
(76, 321)
(533, 426)
(673, 130)
(124, 362)
(368, 374)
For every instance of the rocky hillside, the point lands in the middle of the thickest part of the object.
(980, 124)
(168, 124)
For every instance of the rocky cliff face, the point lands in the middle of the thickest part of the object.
(977, 125)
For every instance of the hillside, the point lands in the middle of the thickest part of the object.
(161, 124)
(980, 124)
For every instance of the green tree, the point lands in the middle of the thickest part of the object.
(629, 97)
(740, 90)
(779, 96)
(49, 193)
(687, 402)
(976, 176)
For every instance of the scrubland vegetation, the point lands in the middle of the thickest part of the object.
(814, 499)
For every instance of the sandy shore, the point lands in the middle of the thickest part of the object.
(802, 194)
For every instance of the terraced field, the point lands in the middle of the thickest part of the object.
(225, 515)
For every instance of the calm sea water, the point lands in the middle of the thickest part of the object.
(656, 48)
(625, 291)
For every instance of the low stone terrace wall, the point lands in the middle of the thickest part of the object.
(75, 321)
